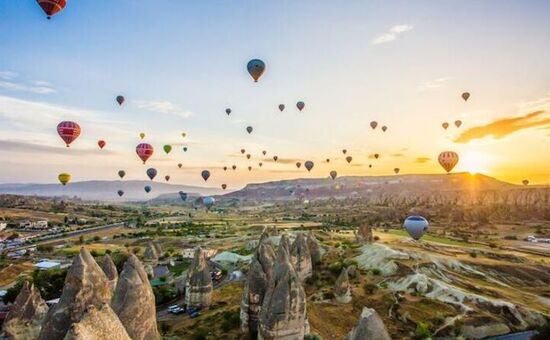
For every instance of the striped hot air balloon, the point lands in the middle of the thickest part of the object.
(51, 7)
(144, 151)
(68, 131)
(448, 160)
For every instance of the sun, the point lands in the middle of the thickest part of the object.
(474, 162)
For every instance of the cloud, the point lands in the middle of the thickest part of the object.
(284, 160)
(7, 81)
(163, 106)
(422, 160)
(433, 84)
(392, 34)
(505, 126)
(26, 147)
(397, 155)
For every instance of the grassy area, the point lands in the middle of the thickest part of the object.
(179, 268)
(99, 249)
(436, 239)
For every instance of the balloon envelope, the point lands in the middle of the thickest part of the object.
(68, 131)
(180, 165)
(228, 111)
(144, 151)
(298, 165)
(373, 124)
(416, 226)
(349, 159)
(151, 173)
(458, 123)
(147, 189)
(256, 68)
(52, 7)
(448, 160)
(300, 105)
(120, 100)
(465, 96)
(167, 148)
(224, 186)
(64, 178)
(445, 125)
(396, 170)
(525, 182)
(120, 193)
(208, 202)
(142, 135)
(249, 129)
(183, 195)
(167, 178)
(384, 128)
(121, 173)
(308, 165)
(333, 174)
(281, 107)
(101, 144)
(205, 174)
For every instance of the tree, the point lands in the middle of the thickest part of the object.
(81, 239)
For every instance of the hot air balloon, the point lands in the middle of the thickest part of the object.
(328, 160)
(51, 7)
(68, 131)
(264, 152)
(120, 193)
(373, 124)
(141, 135)
(396, 170)
(525, 182)
(275, 158)
(376, 155)
(234, 167)
(147, 188)
(458, 123)
(445, 125)
(465, 96)
(348, 159)
(248, 156)
(151, 173)
(205, 175)
(180, 165)
(185, 149)
(260, 164)
(224, 168)
(243, 151)
(256, 68)
(121, 173)
(308, 165)
(208, 202)
(120, 100)
(228, 111)
(167, 178)
(333, 174)
(281, 107)
(370, 165)
(224, 186)
(249, 129)
(183, 134)
(101, 144)
(167, 148)
(144, 151)
(344, 151)
(416, 226)
(64, 178)
(298, 165)
(183, 195)
(300, 105)
(448, 160)
(249, 168)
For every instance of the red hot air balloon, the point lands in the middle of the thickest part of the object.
(51, 7)
(101, 144)
(68, 131)
(144, 151)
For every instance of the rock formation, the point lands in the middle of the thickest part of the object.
(85, 285)
(283, 313)
(314, 248)
(109, 268)
(134, 301)
(364, 234)
(26, 315)
(301, 258)
(98, 323)
(150, 256)
(284, 243)
(198, 291)
(342, 288)
(259, 274)
(369, 326)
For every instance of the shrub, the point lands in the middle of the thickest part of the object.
(369, 288)
(231, 320)
(312, 336)
(376, 271)
(422, 331)
(473, 254)
(336, 267)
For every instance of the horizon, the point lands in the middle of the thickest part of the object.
(403, 65)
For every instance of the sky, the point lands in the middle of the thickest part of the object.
(180, 64)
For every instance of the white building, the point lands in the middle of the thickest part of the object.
(46, 264)
(3, 225)
(43, 224)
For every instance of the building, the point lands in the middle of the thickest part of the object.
(42, 224)
(189, 253)
(47, 264)
(3, 225)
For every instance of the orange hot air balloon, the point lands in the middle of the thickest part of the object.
(445, 125)
(348, 159)
(373, 124)
(448, 160)
(458, 123)
(396, 170)
(68, 131)
(144, 151)
(525, 182)
(101, 144)
(376, 155)
(52, 7)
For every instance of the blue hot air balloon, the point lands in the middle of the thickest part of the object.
(183, 195)
(256, 68)
(147, 188)
(416, 226)
(208, 202)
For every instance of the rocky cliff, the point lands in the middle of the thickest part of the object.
(301, 258)
(198, 291)
(369, 326)
(26, 315)
(98, 323)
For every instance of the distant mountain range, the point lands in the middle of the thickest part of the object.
(106, 190)
(379, 188)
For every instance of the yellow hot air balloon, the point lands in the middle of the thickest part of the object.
(183, 134)
(448, 160)
(64, 178)
(142, 135)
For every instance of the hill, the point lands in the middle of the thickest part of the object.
(104, 190)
